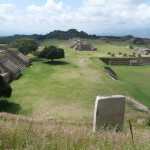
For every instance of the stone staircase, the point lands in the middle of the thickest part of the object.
(12, 63)
(13, 59)
(11, 68)
(111, 73)
(25, 61)
(119, 63)
(72, 44)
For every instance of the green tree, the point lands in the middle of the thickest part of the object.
(131, 47)
(25, 45)
(5, 89)
(52, 52)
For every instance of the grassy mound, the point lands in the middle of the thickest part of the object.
(23, 133)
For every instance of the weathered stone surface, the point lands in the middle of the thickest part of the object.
(6, 76)
(13, 59)
(81, 45)
(12, 63)
(109, 112)
(11, 68)
(24, 60)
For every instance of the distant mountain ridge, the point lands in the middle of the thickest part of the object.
(73, 33)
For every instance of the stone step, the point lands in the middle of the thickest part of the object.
(110, 72)
(119, 63)
(25, 61)
(146, 63)
(21, 66)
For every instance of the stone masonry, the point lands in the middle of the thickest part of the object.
(109, 112)
(12, 63)
(81, 45)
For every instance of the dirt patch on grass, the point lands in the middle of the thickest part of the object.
(50, 110)
(89, 73)
(72, 74)
(83, 62)
(138, 105)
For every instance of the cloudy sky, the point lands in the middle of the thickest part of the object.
(111, 17)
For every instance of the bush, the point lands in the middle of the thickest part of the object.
(131, 47)
(148, 122)
(52, 52)
(5, 89)
(25, 45)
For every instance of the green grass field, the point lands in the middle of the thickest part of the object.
(67, 90)
(60, 100)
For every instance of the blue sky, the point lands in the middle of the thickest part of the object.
(24, 3)
(110, 17)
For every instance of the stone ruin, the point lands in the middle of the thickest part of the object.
(109, 112)
(129, 61)
(81, 45)
(12, 63)
(111, 73)
(142, 50)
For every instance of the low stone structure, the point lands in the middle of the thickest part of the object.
(145, 60)
(12, 63)
(142, 50)
(132, 61)
(117, 61)
(111, 73)
(81, 45)
(109, 112)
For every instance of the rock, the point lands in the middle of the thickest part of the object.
(109, 112)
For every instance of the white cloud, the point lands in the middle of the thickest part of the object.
(6, 12)
(143, 12)
(92, 15)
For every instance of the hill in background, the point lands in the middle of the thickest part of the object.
(72, 33)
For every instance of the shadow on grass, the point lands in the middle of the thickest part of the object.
(19, 76)
(9, 107)
(56, 63)
(36, 59)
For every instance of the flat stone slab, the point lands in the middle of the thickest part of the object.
(109, 112)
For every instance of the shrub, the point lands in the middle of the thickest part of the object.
(52, 52)
(5, 89)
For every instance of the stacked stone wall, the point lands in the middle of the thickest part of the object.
(117, 61)
(12, 58)
(146, 60)
(6, 76)
(13, 69)
(126, 61)
(81, 45)
(12, 63)
(25, 61)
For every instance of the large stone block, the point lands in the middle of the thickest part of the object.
(109, 112)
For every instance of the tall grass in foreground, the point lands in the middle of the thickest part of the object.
(20, 133)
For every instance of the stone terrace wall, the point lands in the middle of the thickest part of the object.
(12, 58)
(12, 63)
(146, 60)
(126, 61)
(3, 71)
(117, 61)
(9, 66)
(6, 76)
(20, 57)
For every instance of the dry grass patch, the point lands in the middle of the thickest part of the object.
(23, 133)
(70, 111)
